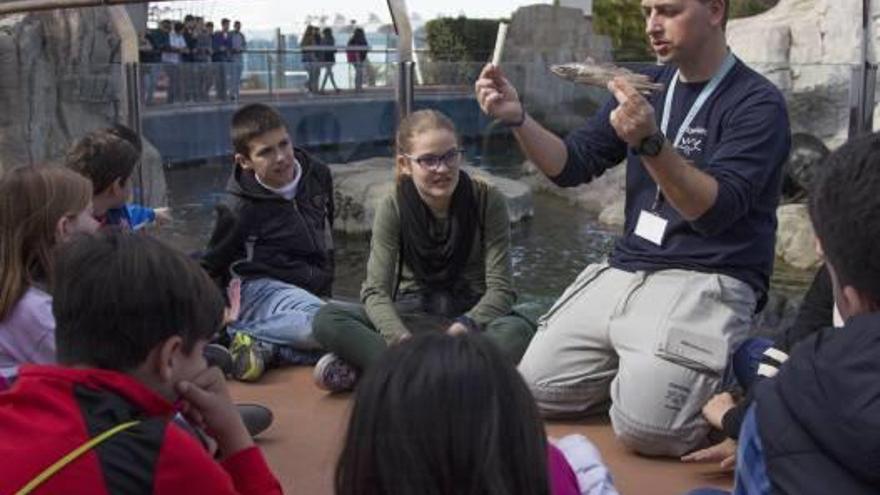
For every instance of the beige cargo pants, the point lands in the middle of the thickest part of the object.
(654, 344)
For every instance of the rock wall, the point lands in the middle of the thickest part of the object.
(59, 79)
(543, 35)
(808, 48)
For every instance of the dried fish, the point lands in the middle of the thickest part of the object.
(594, 74)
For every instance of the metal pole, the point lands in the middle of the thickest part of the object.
(405, 80)
(405, 88)
(133, 120)
(864, 82)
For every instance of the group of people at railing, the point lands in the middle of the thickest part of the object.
(322, 59)
(194, 58)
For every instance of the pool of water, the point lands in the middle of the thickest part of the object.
(548, 250)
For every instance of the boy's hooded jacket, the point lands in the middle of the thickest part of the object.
(259, 234)
(819, 418)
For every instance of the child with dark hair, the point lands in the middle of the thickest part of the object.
(108, 157)
(813, 428)
(132, 319)
(274, 233)
(444, 414)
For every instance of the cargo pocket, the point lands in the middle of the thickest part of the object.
(707, 318)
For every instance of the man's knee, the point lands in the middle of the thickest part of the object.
(657, 440)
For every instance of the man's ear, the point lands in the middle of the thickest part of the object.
(716, 8)
(165, 358)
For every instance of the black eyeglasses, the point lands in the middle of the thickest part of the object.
(432, 162)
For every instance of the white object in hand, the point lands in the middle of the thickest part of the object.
(499, 43)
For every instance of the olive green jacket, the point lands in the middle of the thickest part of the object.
(488, 270)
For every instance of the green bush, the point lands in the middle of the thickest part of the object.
(455, 40)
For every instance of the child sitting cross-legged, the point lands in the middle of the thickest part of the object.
(132, 317)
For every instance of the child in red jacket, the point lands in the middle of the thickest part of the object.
(132, 319)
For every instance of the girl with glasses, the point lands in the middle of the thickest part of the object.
(439, 261)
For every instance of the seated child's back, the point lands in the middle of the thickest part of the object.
(132, 319)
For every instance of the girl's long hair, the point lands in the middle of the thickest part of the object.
(443, 415)
(32, 201)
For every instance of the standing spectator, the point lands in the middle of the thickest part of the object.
(202, 57)
(176, 51)
(221, 58)
(188, 68)
(328, 57)
(170, 59)
(357, 56)
(149, 59)
(310, 39)
(238, 44)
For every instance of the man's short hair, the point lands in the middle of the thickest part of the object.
(116, 296)
(251, 121)
(104, 156)
(845, 208)
(224, 21)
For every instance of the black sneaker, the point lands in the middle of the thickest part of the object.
(256, 418)
(219, 356)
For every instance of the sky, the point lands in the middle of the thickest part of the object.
(291, 15)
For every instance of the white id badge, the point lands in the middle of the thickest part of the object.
(651, 227)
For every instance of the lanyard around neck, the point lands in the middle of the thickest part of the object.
(726, 66)
(710, 88)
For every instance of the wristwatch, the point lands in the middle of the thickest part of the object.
(651, 145)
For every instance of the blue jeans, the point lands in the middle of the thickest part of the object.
(278, 313)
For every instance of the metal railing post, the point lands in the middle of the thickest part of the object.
(405, 88)
(132, 76)
(864, 83)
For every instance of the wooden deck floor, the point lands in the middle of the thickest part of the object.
(303, 443)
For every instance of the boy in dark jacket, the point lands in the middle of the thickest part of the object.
(132, 317)
(274, 233)
(815, 426)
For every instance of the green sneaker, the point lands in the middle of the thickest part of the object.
(250, 358)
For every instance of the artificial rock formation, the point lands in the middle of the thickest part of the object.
(808, 48)
(543, 35)
(60, 78)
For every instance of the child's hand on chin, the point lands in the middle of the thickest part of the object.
(207, 401)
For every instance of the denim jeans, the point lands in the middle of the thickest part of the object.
(278, 313)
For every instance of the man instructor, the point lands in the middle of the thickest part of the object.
(651, 329)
